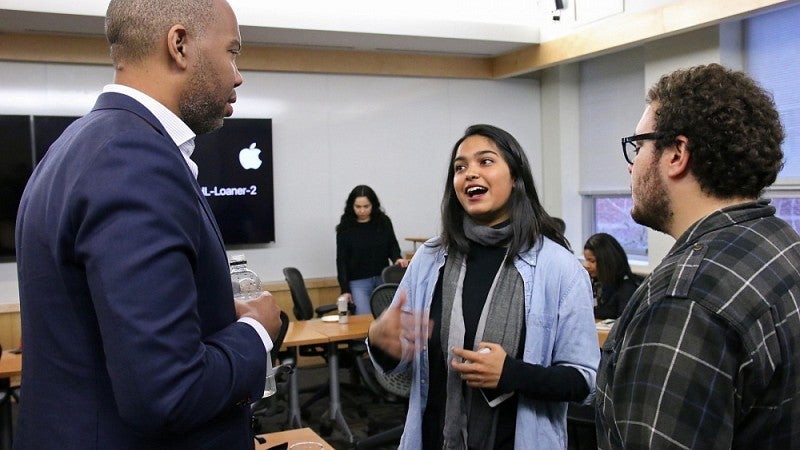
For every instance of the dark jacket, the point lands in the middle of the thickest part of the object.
(131, 338)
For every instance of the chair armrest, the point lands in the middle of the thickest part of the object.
(325, 309)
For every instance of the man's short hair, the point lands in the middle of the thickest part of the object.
(731, 123)
(134, 27)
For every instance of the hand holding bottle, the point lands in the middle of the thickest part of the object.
(263, 309)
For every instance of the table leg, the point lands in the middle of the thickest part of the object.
(334, 413)
(294, 420)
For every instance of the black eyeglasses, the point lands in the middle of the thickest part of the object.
(629, 148)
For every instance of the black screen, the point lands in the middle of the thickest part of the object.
(237, 179)
(46, 129)
(16, 164)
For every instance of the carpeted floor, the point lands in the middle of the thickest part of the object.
(366, 414)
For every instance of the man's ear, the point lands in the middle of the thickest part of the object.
(678, 156)
(177, 45)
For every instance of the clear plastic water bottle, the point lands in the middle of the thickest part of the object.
(246, 284)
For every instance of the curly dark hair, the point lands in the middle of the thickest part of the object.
(349, 218)
(529, 219)
(731, 123)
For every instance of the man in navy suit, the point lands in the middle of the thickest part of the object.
(132, 337)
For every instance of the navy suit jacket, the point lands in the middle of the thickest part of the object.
(130, 333)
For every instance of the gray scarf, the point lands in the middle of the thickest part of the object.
(469, 420)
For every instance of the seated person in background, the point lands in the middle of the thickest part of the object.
(613, 283)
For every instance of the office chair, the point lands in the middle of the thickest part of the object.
(304, 310)
(393, 273)
(267, 406)
(395, 386)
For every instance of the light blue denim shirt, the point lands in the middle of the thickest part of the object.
(560, 331)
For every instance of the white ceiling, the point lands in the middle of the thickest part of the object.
(462, 27)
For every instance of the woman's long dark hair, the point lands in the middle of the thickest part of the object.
(349, 217)
(529, 220)
(612, 262)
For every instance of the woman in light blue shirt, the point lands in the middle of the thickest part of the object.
(494, 317)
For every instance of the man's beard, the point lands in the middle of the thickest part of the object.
(199, 109)
(651, 205)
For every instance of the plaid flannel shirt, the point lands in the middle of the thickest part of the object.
(707, 353)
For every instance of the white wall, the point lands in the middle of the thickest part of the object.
(561, 141)
(330, 133)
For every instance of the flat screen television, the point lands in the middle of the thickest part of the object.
(16, 164)
(235, 174)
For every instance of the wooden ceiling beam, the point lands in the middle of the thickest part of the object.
(628, 30)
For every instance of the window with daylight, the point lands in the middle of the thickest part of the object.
(788, 209)
(612, 215)
(769, 38)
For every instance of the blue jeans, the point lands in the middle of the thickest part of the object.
(361, 290)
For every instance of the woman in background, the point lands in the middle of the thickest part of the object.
(493, 317)
(365, 245)
(613, 283)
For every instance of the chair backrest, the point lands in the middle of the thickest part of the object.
(277, 342)
(381, 298)
(393, 273)
(302, 307)
(400, 383)
(396, 383)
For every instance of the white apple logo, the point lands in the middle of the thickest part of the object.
(248, 157)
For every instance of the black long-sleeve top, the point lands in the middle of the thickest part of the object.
(363, 250)
(613, 300)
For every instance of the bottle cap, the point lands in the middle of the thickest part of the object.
(237, 259)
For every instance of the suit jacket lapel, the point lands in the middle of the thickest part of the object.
(114, 100)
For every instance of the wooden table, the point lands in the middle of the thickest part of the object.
(303, 332)
(416, 241)
(317, 331)
(10, 364)
(299, 333)
(292, 437)
(357, 327)
(602, 334)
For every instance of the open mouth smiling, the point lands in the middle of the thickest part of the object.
(474, 191)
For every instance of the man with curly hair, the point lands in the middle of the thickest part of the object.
(707, 352)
